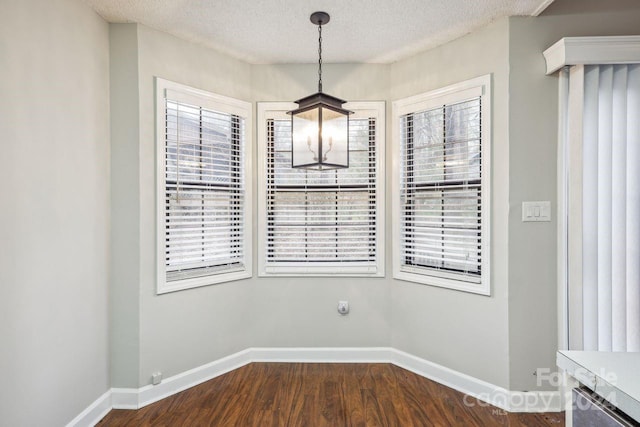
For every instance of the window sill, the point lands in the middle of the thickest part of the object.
(481, 288)
(332, 270)
(197, 282)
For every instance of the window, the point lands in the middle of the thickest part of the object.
(203, 204)
(441, 187)
(321, 223)
(600, 177)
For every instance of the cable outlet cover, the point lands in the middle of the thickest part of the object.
(343, 307)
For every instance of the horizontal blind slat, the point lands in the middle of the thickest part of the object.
(313, 217)
(441, 189)
(204, 191)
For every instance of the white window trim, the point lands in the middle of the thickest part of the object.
(277, 110)
(479, 86)
(215, 102)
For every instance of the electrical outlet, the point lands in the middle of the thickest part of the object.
(343, 307)
(156, 378)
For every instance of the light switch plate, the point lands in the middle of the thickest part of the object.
(536, 211)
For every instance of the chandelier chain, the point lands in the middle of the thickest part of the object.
(320, 57)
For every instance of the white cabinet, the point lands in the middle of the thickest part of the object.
(608, 379)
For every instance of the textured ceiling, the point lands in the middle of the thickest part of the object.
(279, 31)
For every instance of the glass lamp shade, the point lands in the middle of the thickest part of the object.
(320, 133)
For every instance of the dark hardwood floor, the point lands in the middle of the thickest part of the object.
(323, 394)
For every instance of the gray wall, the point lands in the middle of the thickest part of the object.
(208, 323)
(175, 332)
(501, 339)
(182, 330)
(533, 125)
(505, 338)
(301, 312)
(54, 220)
(125, 209)
(463, 331)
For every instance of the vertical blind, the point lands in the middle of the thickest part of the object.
(610, 288)
(204, 191)
(441, 229)
(321, 217)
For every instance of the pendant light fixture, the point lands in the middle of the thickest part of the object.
(320, 126)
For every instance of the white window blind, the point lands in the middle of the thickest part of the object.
(441, 201)
(322, 222)
(604, 208)
(202, 226)
(441, 222)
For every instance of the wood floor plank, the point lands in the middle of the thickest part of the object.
(317, 394)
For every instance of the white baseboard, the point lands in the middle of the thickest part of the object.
(94, 412)
(137, 398)
(192, 377)
(486, 393)
(124, 398)
(448, 377)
